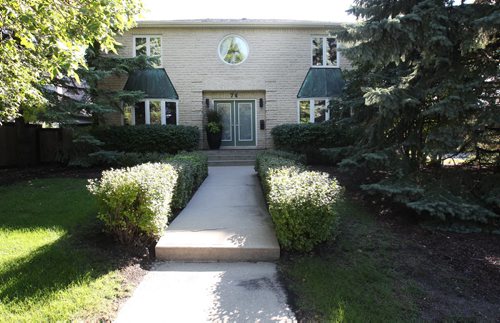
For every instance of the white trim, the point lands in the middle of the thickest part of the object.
(163, 113)
(147, 112)
(222, 40)
(239, 23)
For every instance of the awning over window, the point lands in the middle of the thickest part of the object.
(154, 82)
(322, 83)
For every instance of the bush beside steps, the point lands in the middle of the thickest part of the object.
(136, 203)
(301, 202)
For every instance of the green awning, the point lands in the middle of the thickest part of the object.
(154, 82)
(322, 83)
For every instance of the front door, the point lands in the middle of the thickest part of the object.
(238, 122)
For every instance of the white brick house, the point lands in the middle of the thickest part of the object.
(250, 70)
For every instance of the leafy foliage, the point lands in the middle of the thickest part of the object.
(301, 203)
(149, 138)
(192, 169)
(42, 40)
(135, 203)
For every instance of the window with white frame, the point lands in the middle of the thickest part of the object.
(148, 46)
(313, 110)
(152, 111)
(324, 51)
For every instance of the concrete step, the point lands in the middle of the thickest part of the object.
(226, 220)
(231, 157)
(230, 162)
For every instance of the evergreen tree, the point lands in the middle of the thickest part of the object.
(428, 74)
(425, 86)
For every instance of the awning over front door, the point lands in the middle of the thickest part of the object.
(154, 82)
(322, 83)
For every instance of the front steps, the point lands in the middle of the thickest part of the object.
(231, 157)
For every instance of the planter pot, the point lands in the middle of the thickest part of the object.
(214, 140)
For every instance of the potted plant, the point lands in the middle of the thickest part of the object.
(214, 129)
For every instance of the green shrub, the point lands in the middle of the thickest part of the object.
(192, 169)
(311, 136)
(123, 159)
(149, 138)
(301, 203)
(135, 203)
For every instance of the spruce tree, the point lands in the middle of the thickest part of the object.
(428, 74)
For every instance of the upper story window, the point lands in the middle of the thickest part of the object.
(324, 51)
(233, 50)
(148, 46)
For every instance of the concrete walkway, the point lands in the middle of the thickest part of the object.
(226, 220)
(208, 292)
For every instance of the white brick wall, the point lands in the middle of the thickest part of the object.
(278, 61)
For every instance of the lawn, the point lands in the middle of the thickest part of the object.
(48, 269)
(350, 279)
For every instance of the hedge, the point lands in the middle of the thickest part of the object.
(301, 202)
(149, 138)
(192, 169)
(311, 137)
(136, 203)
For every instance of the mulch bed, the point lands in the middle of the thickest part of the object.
(458, 272)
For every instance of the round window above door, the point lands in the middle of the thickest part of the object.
(233, 50)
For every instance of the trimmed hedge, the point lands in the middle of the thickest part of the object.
(135, 203)
(301, 202)
(192, 169)
(149, 138)
(310, 138)
(122, 159)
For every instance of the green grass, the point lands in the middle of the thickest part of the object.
(351, 279)
(48, 271)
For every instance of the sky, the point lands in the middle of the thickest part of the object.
(320, 10)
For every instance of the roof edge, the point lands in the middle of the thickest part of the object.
(235, 23)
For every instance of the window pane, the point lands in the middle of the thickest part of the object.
(305, 111)
(127, 115)
(155, 112)
(331, 52)
(155, 48)
(317, 51)
(233, 50)
(171, 112)
(319, 111)
(225, 111)
(140, 113)
(140, 46)
(245, 121)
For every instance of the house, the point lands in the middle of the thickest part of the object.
(257, 73)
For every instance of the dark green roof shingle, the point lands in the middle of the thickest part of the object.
(322, 83)
(154, 82)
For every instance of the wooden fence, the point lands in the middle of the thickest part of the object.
(29, 145)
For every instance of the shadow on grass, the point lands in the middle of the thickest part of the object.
(33, 212)
(54, 267)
